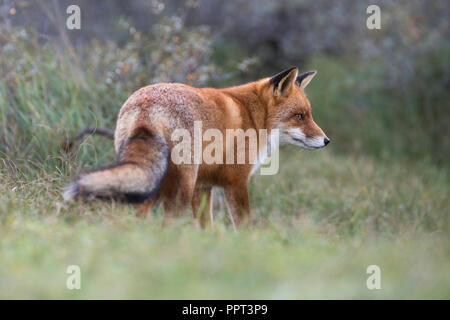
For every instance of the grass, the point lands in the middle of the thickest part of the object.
(318, 225)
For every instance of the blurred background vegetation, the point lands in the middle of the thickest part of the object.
(382, 92)
(378, 194)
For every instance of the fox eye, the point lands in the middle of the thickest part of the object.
(300, 116)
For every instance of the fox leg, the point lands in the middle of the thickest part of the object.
(178, 190)
(238, 204)
(202, 194)
(145, 207)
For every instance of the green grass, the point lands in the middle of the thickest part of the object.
(318, 224)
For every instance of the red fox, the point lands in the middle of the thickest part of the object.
(143, 140)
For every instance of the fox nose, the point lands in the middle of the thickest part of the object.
(326, 140)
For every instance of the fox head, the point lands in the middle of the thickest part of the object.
(289, 110)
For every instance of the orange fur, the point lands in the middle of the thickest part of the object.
(162, 108)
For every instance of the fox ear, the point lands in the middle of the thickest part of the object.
(305, 78)
(284, 81)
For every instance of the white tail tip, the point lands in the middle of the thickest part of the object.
(70, 192)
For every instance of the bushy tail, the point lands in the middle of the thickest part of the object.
(142, 163)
